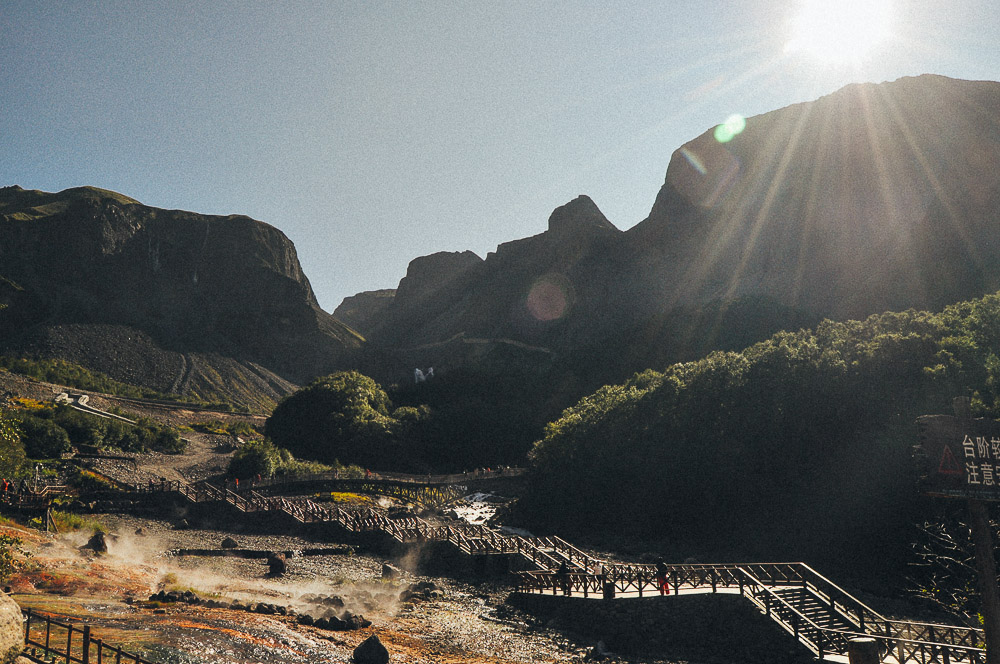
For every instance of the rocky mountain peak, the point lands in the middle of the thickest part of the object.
(427, 274)
(580, 214)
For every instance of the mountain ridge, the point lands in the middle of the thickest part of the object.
(221, 287)
(875, 197)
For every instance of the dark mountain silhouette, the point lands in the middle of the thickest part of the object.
(877, 197)
(161, 298)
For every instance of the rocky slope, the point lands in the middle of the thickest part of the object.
(208, 295)
(873, 198)
(359, 311)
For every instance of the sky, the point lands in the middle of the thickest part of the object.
(372, 133)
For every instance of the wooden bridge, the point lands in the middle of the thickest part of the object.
(822, 616)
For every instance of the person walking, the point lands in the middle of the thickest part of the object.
(562, 578)
(662, 581)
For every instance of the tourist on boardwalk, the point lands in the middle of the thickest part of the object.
(562, 578)
(661, 577)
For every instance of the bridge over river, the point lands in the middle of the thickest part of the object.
(820, 615)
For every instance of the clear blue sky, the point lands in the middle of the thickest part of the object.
(375, 132)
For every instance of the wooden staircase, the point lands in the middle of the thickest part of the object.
(822, 616)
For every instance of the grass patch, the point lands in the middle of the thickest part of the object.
(25, 403)
(344, 497)
(69, 522)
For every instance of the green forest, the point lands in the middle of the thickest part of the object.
(797, 447)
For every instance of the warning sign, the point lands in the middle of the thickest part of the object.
(961, 457)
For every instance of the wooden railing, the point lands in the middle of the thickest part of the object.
(907, 642)
(582, 574)
(50, 640)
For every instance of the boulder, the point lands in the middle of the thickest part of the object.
(97, 543)
(390, 571)
(371, 651)
(277, 564)
(11, 630)
(229, 543)
(352, 621)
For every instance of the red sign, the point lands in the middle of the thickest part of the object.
(961, 457)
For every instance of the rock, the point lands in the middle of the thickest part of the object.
(277, 564)
(371, 651)
(390, 571)
(11, 629)
(600, 652)
(229, 543)
(182, 525)
(333, 623)
(97, 543)
(352, 621)
(140, 532)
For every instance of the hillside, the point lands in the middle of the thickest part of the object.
(874, 198)
(798, 447)
(173, 300)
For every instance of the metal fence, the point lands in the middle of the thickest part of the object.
(47, 640)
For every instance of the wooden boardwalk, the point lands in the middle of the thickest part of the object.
(822, 616)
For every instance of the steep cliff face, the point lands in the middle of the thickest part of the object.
(361, 311)
(231, 286)
(524, 291)
(873, 198)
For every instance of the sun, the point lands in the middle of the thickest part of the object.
(840, 31)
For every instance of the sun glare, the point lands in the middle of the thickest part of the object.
(840, 31)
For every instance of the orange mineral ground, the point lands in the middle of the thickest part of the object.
(110, 592)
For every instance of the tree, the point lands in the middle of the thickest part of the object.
(12, 457)
(10, 564)
(257, 457)
(343, 416)
(43, 439)
(944, 572)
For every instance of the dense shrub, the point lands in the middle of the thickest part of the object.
(807, 432)
(341, 416)
(257, 457)
(43, 439)
(12, 456)
(53, 430)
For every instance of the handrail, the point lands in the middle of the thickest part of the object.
(914, 642)
(82, 652)
(800, 625)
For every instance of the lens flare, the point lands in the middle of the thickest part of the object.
(549, 298)
(695, 161)
(729, 129)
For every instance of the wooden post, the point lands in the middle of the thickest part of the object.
(86, 644)
(863, 650)
(986, 564)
